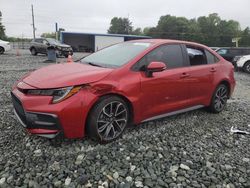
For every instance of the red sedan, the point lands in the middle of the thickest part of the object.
(127, 83)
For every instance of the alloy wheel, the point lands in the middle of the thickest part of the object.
(112, 120)
(220, 98)
(248, 67)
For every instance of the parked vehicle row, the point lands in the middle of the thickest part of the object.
(40, 45)
(4, 46)
(229, 53)
(244, 63)
(127, 83)
(240, 57)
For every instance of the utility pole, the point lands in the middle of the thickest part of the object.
(33, 23)
(56, 25)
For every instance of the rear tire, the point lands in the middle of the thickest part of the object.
(246, 67)
(1, 50)
(33, 51)
(219, 99)
(107, 119)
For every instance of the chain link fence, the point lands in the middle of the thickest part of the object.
(20, 45)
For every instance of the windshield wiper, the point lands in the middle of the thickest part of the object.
(94, 64)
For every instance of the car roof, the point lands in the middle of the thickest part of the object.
(167, 41)
(159, 41)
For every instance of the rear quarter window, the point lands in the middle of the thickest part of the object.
(211, 58)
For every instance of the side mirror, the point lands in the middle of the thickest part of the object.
(155, 67)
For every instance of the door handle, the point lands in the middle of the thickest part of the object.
(185, 75)
(213, 69)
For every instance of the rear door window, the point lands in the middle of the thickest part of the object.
(196, 55)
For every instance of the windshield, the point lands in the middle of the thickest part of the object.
(53, 41)
(116, 55)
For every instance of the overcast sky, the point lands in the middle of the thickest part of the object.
(95, 15)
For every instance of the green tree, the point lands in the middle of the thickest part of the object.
(52, 34)
(120, 26)
(217, 32)
(137, 31)
(210, 30)
(245, 37)
(172, 27)
(2, 29)
(49, 35)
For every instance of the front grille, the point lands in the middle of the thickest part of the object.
(18, 108)
(66, 49)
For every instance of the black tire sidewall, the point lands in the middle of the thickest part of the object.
(91, 126)
(244, 67)
(33, 51)
(212, 104)
(1, 50)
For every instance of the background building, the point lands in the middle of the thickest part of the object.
(90, 42)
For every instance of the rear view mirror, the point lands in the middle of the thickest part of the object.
(155, 67)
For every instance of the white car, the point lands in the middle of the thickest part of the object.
(244, 63)
(4, 46)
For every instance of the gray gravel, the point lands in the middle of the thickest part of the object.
(194, 149)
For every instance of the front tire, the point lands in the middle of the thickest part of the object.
(33, 51)
(108, 119)
(219, 99)
(1, 50)
(246, 67)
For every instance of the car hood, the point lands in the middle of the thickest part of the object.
(63, 45)
(66, 74)
(3, 42)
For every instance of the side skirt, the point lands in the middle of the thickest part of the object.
(174, 113)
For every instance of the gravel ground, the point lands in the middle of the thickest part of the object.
(195, 149)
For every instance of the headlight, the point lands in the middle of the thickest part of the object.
(58, 94)
(242, 58)
(59, 48)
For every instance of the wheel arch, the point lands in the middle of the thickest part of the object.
(128, 102)
(2, 48)
(245, 63)
(227, 84)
